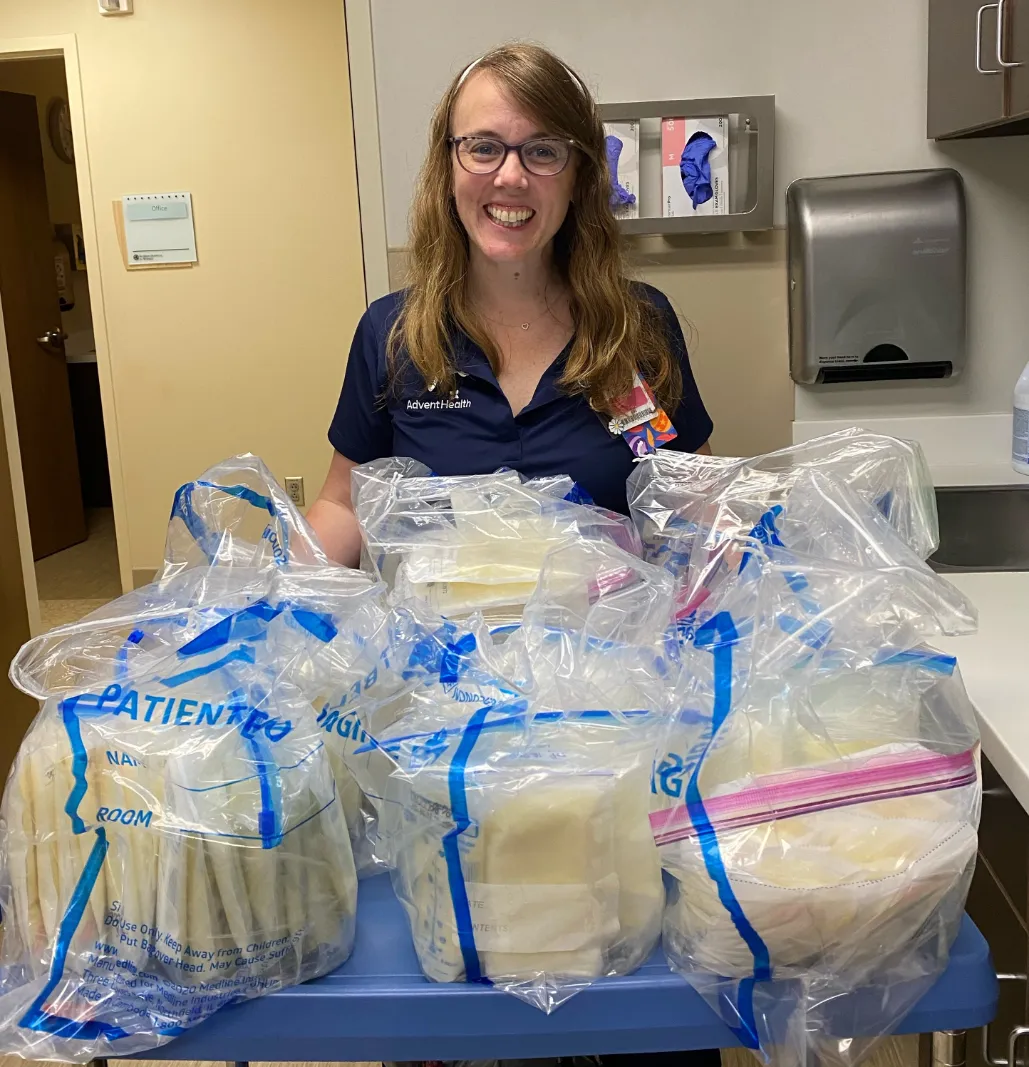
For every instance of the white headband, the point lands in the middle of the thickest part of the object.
(568, 70)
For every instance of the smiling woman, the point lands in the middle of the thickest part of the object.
(530, 213)
(521, 335)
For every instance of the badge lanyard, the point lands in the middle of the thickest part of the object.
(641, 421)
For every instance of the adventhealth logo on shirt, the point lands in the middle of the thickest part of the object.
(450, 404)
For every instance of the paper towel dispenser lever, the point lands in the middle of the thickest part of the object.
(876, 276)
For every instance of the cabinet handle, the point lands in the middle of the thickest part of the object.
(985, 1034)
(979, 37)
(1016, 1033)
(1000, 36)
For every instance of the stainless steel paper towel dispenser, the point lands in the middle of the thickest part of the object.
(876, 276)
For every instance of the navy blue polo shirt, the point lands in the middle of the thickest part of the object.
(474, 432)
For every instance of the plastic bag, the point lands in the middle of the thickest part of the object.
(173, 835)
(595, 634)
(517, 808)
(174, 840)
(818, 796)
(368, 683)
(470, 543)
(237, 515)
(819, 516)
(526, 857)
(672, 495)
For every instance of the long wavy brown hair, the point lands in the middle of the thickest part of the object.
(617, 329)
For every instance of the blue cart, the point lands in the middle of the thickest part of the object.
(378, 1006)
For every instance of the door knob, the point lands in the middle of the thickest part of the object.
(53, 340)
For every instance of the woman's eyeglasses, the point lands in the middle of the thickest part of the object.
(484, 155)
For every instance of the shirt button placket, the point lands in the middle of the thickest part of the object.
(518, 431)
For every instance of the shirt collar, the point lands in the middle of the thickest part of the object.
(469, 359)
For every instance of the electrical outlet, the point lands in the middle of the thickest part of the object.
(295, 489)
(115, 7)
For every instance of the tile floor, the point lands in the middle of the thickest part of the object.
(80, 579)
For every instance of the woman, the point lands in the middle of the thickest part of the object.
(520, 332)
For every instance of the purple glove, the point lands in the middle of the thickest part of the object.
(695, 169)
(619, 194)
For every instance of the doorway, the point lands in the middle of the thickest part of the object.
(51, 347)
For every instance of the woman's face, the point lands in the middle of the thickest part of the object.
(539, 203)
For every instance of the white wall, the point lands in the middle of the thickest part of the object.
(849, 81)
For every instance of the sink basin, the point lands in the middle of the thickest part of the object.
(982, 528)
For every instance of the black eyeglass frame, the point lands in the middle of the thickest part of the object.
(519, 148)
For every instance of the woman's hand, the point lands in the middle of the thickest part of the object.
(332, 514)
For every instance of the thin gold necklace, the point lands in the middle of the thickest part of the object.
(524, 325)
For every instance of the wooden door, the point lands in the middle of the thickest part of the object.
(16, 709)
(960, 98)
(39, 372)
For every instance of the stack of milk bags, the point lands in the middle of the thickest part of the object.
(174, 839)
(471, 543)
(513, 788)
(817, 796)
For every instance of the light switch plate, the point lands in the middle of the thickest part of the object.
(115, 7)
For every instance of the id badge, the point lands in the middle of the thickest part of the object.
(641, 421)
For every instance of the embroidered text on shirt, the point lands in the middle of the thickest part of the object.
(449, 404)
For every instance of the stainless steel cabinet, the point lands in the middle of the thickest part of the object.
(978, 70)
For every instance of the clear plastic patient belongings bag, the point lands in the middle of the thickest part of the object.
(818, 798)
(525, 857)
(523, 852)
(173, 839)
(471, 543)
(596, 633)
(672, 494)
(237, 515)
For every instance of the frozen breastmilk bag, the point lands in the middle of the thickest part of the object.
(173, 838)
(817, 797)
(680, 501)
(525, 856)
(521, 842)
(469, 543)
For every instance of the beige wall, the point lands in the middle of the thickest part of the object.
(244, 103)
(730, 294)
(44, 79)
